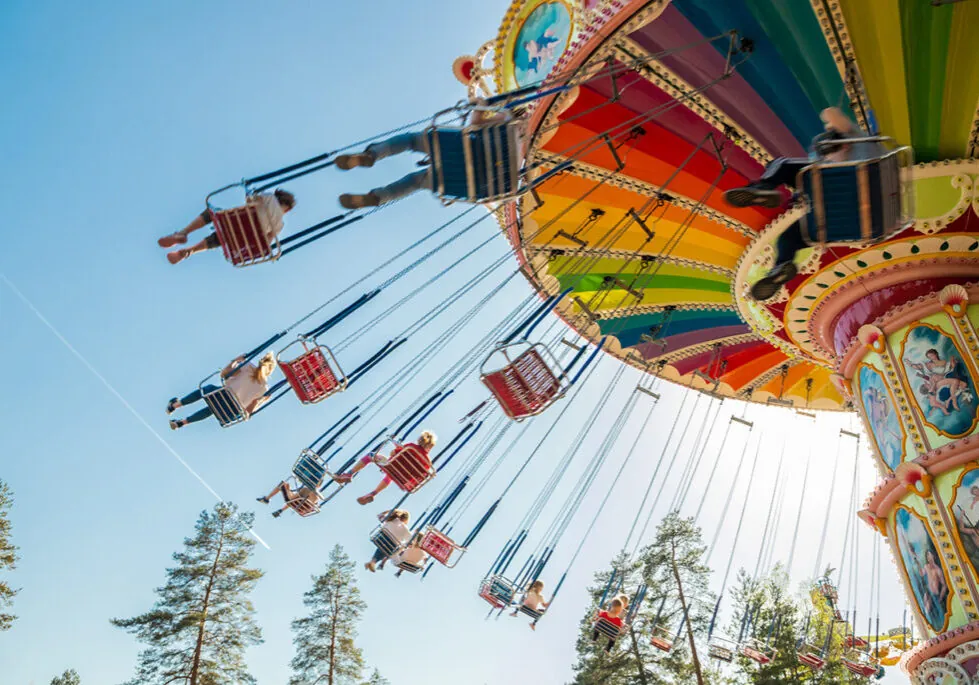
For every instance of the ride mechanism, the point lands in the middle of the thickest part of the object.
(622, 123)
(881, 317)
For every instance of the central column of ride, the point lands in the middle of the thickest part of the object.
(912, 376)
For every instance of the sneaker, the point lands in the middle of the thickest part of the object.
(767, 286)
(263, 500)
(348, 201)
(343, 478)
(174, 425)
(173, 405)
(277, 513)
(752, 196)
(366, 499)
(370, 566)
(347, 162)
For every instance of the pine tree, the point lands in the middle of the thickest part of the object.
(377, 679)
(69, 677)
(8, 556)
(203, 618)
(324, 639)
(672, 567)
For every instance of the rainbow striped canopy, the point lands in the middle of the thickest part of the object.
(903, 66)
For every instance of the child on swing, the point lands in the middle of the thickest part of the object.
(426, 441)
(612, 615)
(413, 554)
(533, 603)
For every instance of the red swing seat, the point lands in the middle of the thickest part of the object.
(528, 382)
(757, 652)
(854, 641)
(440, 547)
(408, 466)
(860, 664)
(313, 375)
(249, 234)
(811, 659)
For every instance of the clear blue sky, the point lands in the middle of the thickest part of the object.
(118, 118)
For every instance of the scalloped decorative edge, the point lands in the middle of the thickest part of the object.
(592, 172)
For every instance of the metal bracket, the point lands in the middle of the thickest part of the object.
(646, 391)
(650, 234)
(749, 424)
(619, 164)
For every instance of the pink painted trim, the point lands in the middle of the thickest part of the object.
(939, 645)
(936, 462)
(897, 318)
(824, 315)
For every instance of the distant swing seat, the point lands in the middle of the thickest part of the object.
(409, 567)
(527, 611)
(385, 542)
(757, 651)
(248, 234)
(440, 547)
(721, 649)
(308, 471)
(223, 403)
(408, 466)
(827, 590)
(854, 641)
(861, 664)
(607, 629)
(662, 638)
(498, 591)
(525, 378)
(476, 163)
(811, 656)
(314, 374)
(864, 200)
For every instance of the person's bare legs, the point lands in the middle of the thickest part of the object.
(369, 497)
(344, 478)
(180, 255)
(180, 237)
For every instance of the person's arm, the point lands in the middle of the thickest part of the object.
(835, 119)
(255, 404)
(232, 366)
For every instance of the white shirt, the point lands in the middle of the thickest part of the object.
(397, 530)
(413, 555)
(244, 386)
(269, 213)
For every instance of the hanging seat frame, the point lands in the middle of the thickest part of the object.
(223, 403)
(248, 234)
(440, 547)
(528, 382)
(757, 651)
(309, 471)
(868, 200)
(406, 464)
(497, 590)
(476, 163)
(314, 374)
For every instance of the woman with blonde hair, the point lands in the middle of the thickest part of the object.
(394, 525)
(426, 441)
(247, 382)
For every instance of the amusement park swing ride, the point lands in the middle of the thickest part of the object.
(611, 140)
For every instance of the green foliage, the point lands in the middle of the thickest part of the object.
(69, 677)
(203, 619)
(676, 554)
(8, 556)
(782, 621)
(324, 639)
